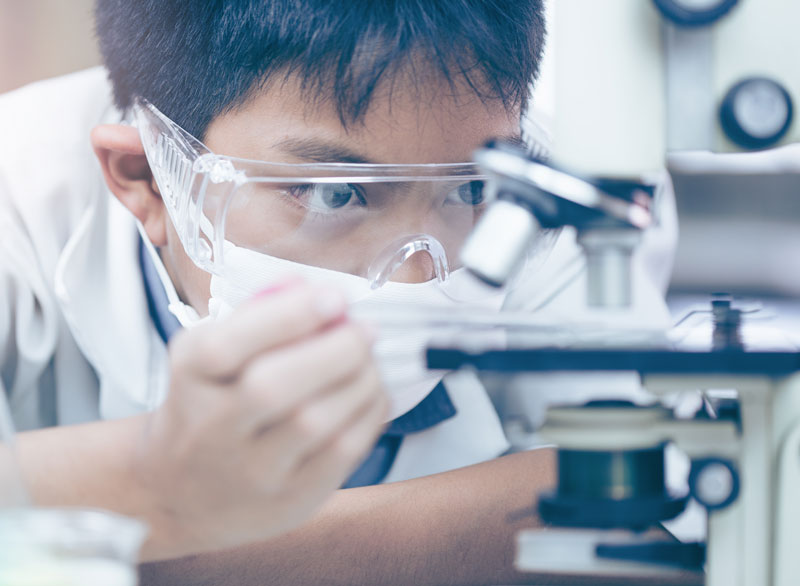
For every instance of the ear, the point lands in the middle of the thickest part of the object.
(128, 176)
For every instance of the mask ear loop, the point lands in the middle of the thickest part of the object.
(398, 252)
(186, 314)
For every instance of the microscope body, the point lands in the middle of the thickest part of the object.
(628, 85)
(633, 81)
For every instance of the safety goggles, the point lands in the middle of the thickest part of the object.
(380, 222)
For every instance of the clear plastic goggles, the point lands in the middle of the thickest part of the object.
(380, 222)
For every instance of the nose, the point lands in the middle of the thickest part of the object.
(417, 269)
(411, 259)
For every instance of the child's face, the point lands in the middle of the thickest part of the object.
(413, 125)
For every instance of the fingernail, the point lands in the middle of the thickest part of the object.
(329, 303)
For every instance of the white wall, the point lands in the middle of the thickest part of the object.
(44, 38)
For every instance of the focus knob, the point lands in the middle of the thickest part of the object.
(714, 483)
(694, 12)
(756, 113)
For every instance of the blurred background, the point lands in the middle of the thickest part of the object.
(44, 38)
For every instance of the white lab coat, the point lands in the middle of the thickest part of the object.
(76, 339)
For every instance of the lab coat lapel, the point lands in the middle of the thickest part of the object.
(99, 287)
(473, 435)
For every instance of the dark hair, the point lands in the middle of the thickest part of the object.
(195, 60)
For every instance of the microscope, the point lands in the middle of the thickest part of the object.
(640, 85)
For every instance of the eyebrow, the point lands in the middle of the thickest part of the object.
(322, 151)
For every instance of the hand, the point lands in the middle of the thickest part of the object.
(269, 411)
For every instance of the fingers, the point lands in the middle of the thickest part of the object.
(283, 388)
(278, 382)
(312, 425)
(338, 457)
(221, 349)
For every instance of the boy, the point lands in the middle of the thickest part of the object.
(239, 431)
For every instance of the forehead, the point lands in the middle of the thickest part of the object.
(406, 122)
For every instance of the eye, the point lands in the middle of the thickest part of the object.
(327, 197)
(469, 193)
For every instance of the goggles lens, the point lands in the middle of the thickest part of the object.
(381, 222)
(345, 226)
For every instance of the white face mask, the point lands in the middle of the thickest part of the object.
(399, 351)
